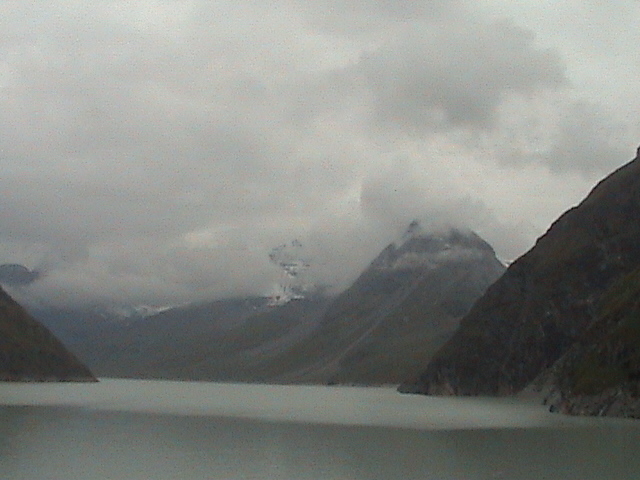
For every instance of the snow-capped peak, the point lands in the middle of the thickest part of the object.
(420, 249)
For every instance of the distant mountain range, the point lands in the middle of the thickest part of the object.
(30, 352)
(435, 311)
(223, 340)
(380, 330)
(565, 314)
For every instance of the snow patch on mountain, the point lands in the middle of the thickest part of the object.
(293, 282)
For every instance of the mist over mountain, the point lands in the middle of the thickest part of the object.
(221, 340)
(379, 330)
(566, 289)
(187, 148)
(398, 311)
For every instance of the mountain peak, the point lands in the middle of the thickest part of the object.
(414, 229)
(419, 248)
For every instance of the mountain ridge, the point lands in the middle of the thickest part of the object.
(546, 299)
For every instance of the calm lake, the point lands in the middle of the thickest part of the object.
(132, 429)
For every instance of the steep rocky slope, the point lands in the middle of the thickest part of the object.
(600, 373)
(546, 299)
(30, 352)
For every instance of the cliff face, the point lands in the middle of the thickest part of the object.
(546, 299)
(29, 352)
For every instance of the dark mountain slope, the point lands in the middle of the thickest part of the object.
(30, 352)
(546, 299)
(600, 374)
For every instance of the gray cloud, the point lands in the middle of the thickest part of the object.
(157, 153)
(588, 141)
(395, 196)
(580, 138)
(455, 74)
(367, 17)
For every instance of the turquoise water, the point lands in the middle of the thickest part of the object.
(126, 429)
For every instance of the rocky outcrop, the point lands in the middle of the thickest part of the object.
(30, 352)
(546, 299)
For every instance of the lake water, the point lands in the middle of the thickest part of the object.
(131, 429)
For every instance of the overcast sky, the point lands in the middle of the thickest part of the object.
(157, 151)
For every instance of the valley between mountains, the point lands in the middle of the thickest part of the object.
(435, 312)
(380, 330)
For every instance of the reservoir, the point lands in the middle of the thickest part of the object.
(137, 429)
